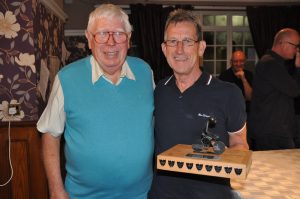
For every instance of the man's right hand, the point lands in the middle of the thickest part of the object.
(240, 74)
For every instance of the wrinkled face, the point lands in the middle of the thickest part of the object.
(289, 46)
(183, 59)
(238, 61)
(110, 55)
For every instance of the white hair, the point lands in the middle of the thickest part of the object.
(109, 11)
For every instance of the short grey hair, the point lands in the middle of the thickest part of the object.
(109, 11)
(181, 15)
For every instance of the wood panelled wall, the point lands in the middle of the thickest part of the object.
(29, 180)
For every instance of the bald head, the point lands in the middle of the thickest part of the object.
(284, 34)
(285, 43)
(238, 60)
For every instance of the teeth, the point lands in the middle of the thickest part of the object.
(180, 58)
(111, 53)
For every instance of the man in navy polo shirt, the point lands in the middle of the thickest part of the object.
(183, 104)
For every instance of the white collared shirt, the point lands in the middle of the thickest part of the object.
(53, 118)
(97, 72)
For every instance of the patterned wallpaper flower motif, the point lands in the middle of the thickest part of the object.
(48, 47)
(21, 50)
(17, 57)
(40, 40)
(25, 59)
(8, 25)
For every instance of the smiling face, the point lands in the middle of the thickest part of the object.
(110, 55)
(238, 60)
(184, 60)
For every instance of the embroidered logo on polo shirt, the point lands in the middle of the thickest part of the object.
(203, 115)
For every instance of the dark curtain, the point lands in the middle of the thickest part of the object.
(266, 21)
(148, 29)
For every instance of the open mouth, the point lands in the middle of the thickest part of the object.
(180, 58)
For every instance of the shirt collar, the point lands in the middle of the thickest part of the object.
(204, 79)
(97, 71)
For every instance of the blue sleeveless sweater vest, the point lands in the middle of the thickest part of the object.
(108, 132)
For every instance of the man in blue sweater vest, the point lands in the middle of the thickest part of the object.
(103, 106)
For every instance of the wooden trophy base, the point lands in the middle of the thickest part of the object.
(232, 163)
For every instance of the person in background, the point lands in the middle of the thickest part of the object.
(292, 70)
(103, 106)
(272, 122)
(183, 104)
(238, 75)
(297, 112)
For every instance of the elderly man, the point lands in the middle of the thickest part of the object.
(103, 105)
(184, 103)
(272, 122)
(238, 75)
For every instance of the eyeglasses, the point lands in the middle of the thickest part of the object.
(185, 42)
(295, 45)
(102, 37)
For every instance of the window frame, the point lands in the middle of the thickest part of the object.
(229, 29)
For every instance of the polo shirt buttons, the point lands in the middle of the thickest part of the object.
(180, 96)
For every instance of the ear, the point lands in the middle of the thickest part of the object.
(129, 40)
(202, 46)
(164, 48)
(89, 38)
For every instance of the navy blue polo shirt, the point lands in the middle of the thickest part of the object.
(179, 119)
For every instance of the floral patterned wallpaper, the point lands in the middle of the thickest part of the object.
(49, 35)
(29, 35)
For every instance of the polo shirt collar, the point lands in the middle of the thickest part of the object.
(97, 71)
(204, 79)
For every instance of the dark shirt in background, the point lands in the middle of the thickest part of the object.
(229, 76)
(272, 116)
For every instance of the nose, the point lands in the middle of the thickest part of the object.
(179, 47)
(111, 40)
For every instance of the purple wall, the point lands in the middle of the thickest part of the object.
(29, 35)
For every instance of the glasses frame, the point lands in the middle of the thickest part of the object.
(295, 45)
(110, 33)
(184, 42)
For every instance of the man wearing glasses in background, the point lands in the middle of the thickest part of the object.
(183, 104)
(103, 106)
(272, 122)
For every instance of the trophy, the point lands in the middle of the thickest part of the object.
(207, 157)
(209, 140)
